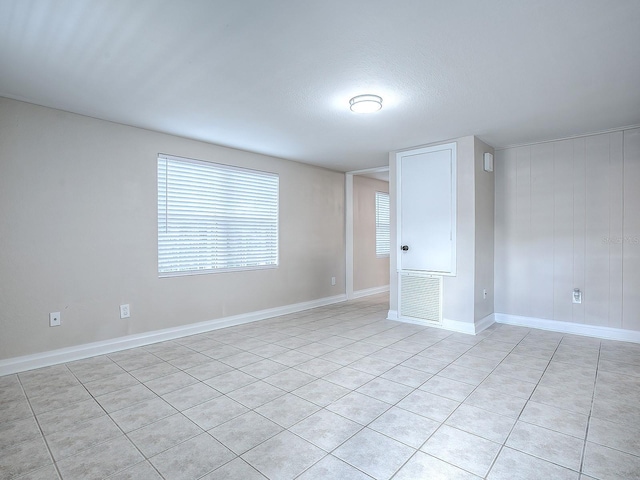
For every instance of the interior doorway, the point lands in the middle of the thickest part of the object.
(360, 269)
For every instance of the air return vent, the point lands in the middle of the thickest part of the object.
(421, 297)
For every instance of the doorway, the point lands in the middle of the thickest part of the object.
(364, 265)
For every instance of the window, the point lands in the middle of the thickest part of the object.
(214, 217)
(382, 224)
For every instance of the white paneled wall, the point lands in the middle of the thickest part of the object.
(631, 225)
(568, 216)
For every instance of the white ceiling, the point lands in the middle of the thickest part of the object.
(276, 76)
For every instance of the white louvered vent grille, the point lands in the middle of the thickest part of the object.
(421, 297)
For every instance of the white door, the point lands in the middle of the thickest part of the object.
(427, 210)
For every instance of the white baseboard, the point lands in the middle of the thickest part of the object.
(370, 291)
(457, 326)
(567, 327)
(78, 352)
(447, 324)
(531, 322)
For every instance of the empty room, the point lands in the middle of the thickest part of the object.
(348, 240)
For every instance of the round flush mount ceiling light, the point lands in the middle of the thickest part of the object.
(365, 103)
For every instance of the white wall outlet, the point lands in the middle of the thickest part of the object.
(577, 295)
(484, 293)
(54, 319)
(333, 280)
(124, 311)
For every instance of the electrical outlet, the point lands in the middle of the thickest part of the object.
(54, 319)
(333, 280)
(577, 295)
(124, 311)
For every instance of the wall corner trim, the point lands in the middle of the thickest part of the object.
(567, 327)
(485, 323)
(78, 352)
(392, 315)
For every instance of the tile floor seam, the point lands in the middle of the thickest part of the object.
(469, 433)
(132, 466)
(593, 395)
(614, 448)
(353, 466)
(215, 469)
(212, 471)
(97, 444)
(258, 444)
(107, 414)
(168, 448)
(432, 456)
(579, 473)
(145, 459)
(44, 438)
(338, 414)
(419, 449)
(330, 455)
(30, 439)
(504, 443)
(328, 452)
(128, 404)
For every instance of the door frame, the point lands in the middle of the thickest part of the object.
(349, 225)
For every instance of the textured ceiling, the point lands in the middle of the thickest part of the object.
(275, 77)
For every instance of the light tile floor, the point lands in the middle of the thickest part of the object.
(336, 392)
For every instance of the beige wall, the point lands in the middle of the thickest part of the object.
(369, 271)
(78, 234)
(567, 217)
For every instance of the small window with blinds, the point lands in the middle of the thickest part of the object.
(383, 229)
(215, 218)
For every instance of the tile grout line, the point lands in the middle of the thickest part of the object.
(414, 389)
(417, 388)
(435, 394)
(321, 408)
(42, 435)
(114, 422)
(461, 403)
(593, 397)
(124, 434)
(504, 444)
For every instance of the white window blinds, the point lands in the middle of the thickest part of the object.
(382, 224)
(214, 217)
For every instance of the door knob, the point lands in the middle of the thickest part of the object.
(405, 248)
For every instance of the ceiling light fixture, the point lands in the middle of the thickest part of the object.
(365, 103)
